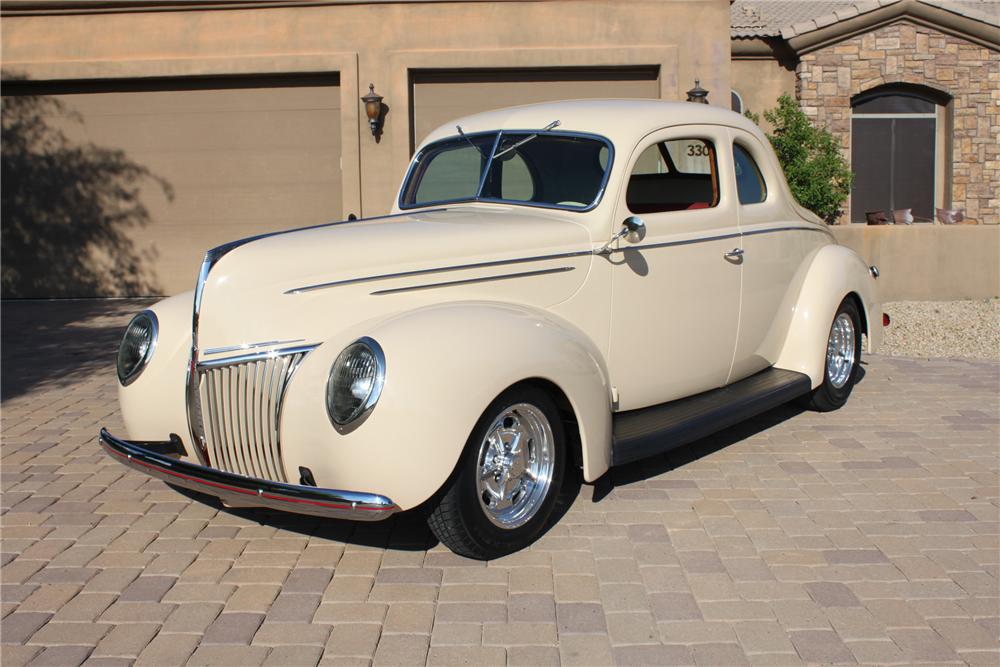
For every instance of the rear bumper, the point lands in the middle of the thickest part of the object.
(247, 491)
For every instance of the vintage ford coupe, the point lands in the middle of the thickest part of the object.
(561, 286)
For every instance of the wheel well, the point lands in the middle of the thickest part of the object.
(861, 311)
(566, 413)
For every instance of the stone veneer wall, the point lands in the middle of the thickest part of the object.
(905, 52)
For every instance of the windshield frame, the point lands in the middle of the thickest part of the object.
(489, 164)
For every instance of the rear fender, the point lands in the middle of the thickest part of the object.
(444, 365)
(835, 273)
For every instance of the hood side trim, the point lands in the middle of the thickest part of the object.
(439, 269)
(470, 281)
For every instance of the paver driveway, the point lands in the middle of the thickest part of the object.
(867, 535)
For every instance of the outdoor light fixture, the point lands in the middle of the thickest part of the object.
(373, 109)
(698, 95)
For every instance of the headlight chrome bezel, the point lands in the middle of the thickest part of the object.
(359, 416)
(137, 370)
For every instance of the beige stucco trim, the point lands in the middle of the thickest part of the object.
(402, 62)
(345, 64)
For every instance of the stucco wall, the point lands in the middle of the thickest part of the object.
(380, 43)
(929, 262)
(760, 82)
(911, 53)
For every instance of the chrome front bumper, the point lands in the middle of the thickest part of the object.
(246, 491)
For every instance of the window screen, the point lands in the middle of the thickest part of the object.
(749, 182)
(675, 175)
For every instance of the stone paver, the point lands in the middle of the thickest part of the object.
(868, 535)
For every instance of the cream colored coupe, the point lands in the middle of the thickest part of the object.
(560, 286)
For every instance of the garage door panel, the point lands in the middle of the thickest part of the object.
(210, 168)
(440, 96)
(303, 205)
(257, 130)
(241, 157)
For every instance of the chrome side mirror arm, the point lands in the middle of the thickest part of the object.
(633, 229)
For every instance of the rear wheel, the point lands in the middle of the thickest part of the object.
(507, 482)
(843, 359)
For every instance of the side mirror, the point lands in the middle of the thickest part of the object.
(634, 228)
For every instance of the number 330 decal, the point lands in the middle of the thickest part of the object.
(698, 150)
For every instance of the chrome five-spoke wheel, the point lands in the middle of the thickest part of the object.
(842, 361)
(840, 351)
(507, 482)
(515, 465)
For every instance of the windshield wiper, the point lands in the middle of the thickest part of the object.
(471, 143)
(552, 125)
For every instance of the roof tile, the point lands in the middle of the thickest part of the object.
(789, 18)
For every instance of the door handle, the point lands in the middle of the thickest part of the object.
(735, 253)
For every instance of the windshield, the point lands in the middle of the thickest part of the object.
(536, 168)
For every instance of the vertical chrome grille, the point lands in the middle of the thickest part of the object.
(240, 401)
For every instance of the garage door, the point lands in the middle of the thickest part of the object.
(440, 96)
(209, 160)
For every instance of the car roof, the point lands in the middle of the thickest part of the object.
(623, 121)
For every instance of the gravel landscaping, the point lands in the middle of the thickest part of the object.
(943, 329)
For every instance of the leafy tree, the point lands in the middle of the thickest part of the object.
(67, 208)
(817, 173)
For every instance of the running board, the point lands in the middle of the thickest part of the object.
(637, 434)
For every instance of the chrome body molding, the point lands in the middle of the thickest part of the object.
(470, 281)
(251, 346)
(256, 356)
(239, 490)
(438, 269)
(721, 237)
(601, 251)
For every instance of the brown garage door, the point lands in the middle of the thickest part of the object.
(439, 96)
(119, 188)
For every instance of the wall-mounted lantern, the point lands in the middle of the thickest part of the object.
(373, 109)
(698, 95)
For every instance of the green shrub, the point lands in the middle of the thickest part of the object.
(817, 173)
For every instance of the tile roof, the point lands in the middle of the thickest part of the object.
(789, 18)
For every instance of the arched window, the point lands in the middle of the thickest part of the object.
(898, 149)
(736, 101)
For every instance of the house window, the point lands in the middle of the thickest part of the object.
(736, 101)
(897, 150)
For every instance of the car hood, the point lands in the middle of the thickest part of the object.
(300, 284)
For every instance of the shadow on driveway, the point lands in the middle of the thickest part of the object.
(59, 343)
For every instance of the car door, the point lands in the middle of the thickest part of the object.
(675, 292)
(776, 243)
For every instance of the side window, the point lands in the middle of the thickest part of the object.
(749, 182)
(675, 175)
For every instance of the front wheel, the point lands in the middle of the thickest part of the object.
(508, 479)
(843, 359)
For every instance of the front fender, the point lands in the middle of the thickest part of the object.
(444, 365)
(835, 272)
(153, 406)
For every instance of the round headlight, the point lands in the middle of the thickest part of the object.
(355, 382)
(137, 346)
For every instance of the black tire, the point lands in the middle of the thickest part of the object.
(458, 518)
(828, 396)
